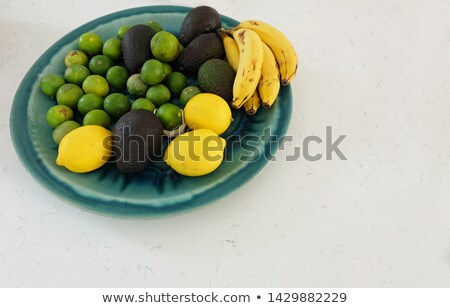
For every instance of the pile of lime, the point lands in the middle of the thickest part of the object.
(96, 88)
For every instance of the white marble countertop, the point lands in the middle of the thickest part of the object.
(376, 71)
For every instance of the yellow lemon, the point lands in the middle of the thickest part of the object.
(206, 110)
(195, 153)
(85, 149)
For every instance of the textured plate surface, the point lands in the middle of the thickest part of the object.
(158, 190)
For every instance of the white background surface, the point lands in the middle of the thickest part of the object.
(377, 71)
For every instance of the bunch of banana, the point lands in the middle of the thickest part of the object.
(262, 58)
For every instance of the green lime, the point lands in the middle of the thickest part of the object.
(188, 93)
(152, 72)
(143, 103)
(113, 48)
(63, 129)
(117, 77)
(159, 94)
(76, 57)
(136, 87)
(76, 73)
(181, 47)
(170, 116)
(88, 102)
(96, 84)
(58, 114)
(116, 105)
(90, 43)
(167, 70)
(155, 26)
(122, 31)
(165, 46)
(97, 117)
(51, 83)
(69, 94)
(100, 64)
(176, 82)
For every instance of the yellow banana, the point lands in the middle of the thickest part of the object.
(231, 50)
(252, 104)
(269, 83)
(279, 44)
(250, 63)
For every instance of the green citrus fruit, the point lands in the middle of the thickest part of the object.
(155, 26)
(165, 46)
(51, 83)
(122, 31)
(76, 73)
(188, 93)
(100, 64)
(90, 43)
(96, 84)
(69, 94)
(170, 116)
(136, 87)
(116, 105)
(176, 82)
(158, 94)
(113, 48)
(88, 102)
(143, 103)
(76, 57)
(63, 129)
(97, 117)
(152, 72)
(117, 77)
(58, 114)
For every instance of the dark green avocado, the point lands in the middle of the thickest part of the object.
(202, 19)
(136, 47)
(137, 140)
(216, 76)
(201, 49)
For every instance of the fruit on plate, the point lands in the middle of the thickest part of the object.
(76, 74)
(63, 129)
(165, 46)
(76, 57)
(170, 116)
(58, 114)
(279, 44)
(201, 49)
(51, 83)
(144, 69)
(210, 111)
(231, 49)
(217, 76)
(279, 63)
(137, 140)
(250, 63)
(136, 86)
(269, 83)
(195, 153)
(90, 43)
(136, 47)
(188, 93)
(96, 84)
(201, 19)
(85, 149)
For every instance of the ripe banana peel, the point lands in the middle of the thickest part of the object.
(269, 83)
(252, 104)
(231, 50)
(251, 58)
(279, 44)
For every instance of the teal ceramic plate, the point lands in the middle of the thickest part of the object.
(252, 140)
